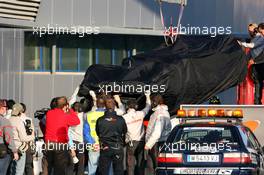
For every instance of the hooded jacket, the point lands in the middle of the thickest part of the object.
(159, 126)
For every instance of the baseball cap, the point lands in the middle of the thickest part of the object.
(17, 109)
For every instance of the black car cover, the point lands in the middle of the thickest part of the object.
(191, 71)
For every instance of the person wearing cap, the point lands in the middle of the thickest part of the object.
(7, 146)
(158, 130)
(21, 139)
(135, 135)
(58, 121)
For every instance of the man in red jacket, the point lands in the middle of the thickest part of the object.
(58, 122)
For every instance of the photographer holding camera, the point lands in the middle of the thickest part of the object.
(21, 139)
(58, 121)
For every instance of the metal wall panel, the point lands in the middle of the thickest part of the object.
(2, 66)
(139, 13)
(62, 85)
(100, 12)
(42, 92)
(9, 56)
(28, 95)
(199, 13)
(11, 61)
(19, 63)
(224, 13)
(39, 89)
(157, 21)
(116, 13)
(45, 13)
(77, 81)
(132, 16)
(246, 12)
(62, 12)
(147, 14)
(82, 13)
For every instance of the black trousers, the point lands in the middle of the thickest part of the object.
(29, 163)
(78, 168)
(151, 156)
(258, 77)
(58, 162)
(135, 158)
(108, 156)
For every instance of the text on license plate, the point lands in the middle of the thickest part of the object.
(203, 158)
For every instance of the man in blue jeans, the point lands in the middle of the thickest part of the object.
(7, 147)
(91, 137)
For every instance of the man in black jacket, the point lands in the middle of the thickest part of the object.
(111, 130)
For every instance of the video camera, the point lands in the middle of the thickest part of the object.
(39, 114)
(28, 126)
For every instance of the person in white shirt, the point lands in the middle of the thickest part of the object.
(135, 135)
(158, 130)
(31, 134)
(75, 133)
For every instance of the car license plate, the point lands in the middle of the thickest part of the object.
(203, 158)
(202, 171)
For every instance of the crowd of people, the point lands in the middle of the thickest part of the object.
(17, 138)
(113, 136)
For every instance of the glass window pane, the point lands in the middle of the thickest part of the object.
(102, 54)
(46, 58)
(119, 56)
(69, 59)
(86, 58)
(119, 46)
(86, 52)
(31, 53)
(37, 53)
(31, 58)
(66, 53)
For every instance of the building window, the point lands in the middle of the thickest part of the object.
(37, 53)
(76, 54)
